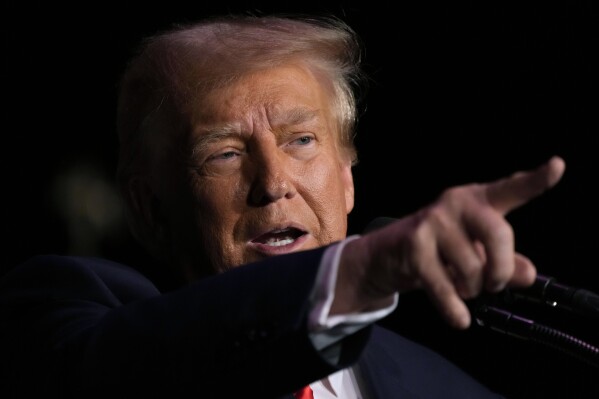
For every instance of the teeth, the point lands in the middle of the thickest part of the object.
(275, 242)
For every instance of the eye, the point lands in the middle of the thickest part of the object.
(304, 140)
(225, 155)
(220, 163)
(302, 145)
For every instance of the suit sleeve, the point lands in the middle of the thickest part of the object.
(82, 327)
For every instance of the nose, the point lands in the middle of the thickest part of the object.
(272, 178)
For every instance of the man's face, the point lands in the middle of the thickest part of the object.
(264, 174)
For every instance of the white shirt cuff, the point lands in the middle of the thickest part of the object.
(325, 329)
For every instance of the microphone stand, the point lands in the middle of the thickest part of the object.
(503, 321)
(545, 290)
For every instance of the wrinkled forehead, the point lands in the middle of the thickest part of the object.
(287, 93)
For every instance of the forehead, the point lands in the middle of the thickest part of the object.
(283, 94)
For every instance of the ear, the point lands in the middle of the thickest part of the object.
(348, 184)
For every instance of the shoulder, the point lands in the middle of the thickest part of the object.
(72, 276)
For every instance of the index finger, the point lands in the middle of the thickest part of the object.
(511, 192)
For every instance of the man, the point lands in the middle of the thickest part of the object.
(236, 160)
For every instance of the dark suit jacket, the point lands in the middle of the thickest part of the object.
(87, 327)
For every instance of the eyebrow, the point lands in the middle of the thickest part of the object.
(215, 134)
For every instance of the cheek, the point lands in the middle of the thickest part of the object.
(211, 204)
(324, 184)
(219, 200)
(217, 209)
(324, 190)
(326, 179)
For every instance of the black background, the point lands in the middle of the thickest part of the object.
(461, 92)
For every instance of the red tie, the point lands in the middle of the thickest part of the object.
(304, 393)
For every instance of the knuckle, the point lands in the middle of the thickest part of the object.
(471, 269)
(455, 196)
(504, 234)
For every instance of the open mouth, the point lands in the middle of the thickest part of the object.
(280, 237)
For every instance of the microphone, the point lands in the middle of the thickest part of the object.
(506, 322)
(549, 291)
(545, 290)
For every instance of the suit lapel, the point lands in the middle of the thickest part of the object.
(380, 374)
